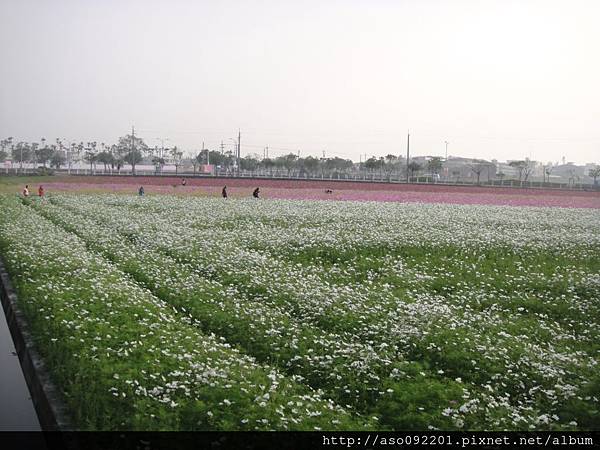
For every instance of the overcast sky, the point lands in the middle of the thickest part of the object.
(502, 79)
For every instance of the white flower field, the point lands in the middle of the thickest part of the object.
(179, 313)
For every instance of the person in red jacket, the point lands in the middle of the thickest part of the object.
(41, 191)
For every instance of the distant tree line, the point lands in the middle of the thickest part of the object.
(131, 150)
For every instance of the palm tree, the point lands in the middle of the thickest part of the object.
(414, 167)
(177, 155)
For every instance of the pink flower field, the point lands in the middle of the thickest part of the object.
(315, 190)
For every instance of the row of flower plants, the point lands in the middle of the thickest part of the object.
(345, 368)
(417, 316)
(125, 359)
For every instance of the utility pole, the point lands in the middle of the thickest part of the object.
(407, 155)
(446, 142)
(267, 148)
(323, 154)
(222, 148)
(239, 150)
(132, 148)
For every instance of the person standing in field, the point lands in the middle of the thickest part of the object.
(41, 191)
(224, 192)
(141, 191)
(26, 191)
(183, 181)
(255, 193)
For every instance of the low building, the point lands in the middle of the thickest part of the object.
(465, 169)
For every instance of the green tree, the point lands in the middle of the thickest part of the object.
(477, 168)
(249, 163)
(197, 161)
(33, 154)
(5, 143)
(525, 167)
(414, 167)
(177, 158)
(391, 164)
(288, 162)
(133, 158)
(131, 150)
(44, 155)
(106, 158)
(268, 164)
(216, 158)
(547, 171)
(372, 164)
(594, 172)
(338, 165)
(90, 157)
(21, 153)
(310, 164)
(434, 165)
(159, 163)
(58, 159)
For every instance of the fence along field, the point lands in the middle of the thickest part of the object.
(200, 313)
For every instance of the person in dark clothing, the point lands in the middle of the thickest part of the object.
(183, 181)
(224, 192)
(255, 193)
(141, 191)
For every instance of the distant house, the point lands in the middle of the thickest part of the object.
(456, 169)
(569, 170)
(509, 171)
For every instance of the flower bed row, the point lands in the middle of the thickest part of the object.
(126, 360)
(521, 366)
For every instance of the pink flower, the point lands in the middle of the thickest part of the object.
(315, 190)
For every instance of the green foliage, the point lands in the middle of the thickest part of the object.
(133, 157)
(57, 160)
(418, 402)
(44, 171)
(594, 172)
(420, 316)
(434, 165)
